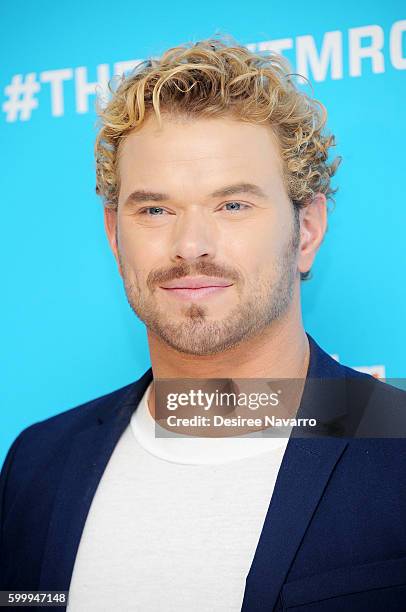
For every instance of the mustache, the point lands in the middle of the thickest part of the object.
(203, 268)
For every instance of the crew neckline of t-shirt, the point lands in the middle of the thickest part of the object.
(194, 450)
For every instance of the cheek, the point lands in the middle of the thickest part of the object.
(256, 250)
(140, 252)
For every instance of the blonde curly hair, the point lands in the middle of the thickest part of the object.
(213, 78)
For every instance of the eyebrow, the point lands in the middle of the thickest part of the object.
(142, 195)
(239, 188)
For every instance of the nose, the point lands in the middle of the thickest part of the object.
(194, 236)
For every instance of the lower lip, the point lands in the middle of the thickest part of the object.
(195, 294)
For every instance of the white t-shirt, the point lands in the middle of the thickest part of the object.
(175, 522)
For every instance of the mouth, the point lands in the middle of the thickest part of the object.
(196, 288)
(195, 293)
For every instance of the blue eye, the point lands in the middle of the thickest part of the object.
(236, 204)
(154, 209)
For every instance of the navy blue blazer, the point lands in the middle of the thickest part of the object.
(334, 537)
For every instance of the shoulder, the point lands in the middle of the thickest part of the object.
(324, 366)
(362, 404)
(79, 416)
(376, 409)
(53, 435)
(39, 454)
(40, 451)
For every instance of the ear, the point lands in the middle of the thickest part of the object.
(313, 225)
(110, 225)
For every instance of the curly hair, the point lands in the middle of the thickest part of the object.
(213, 78)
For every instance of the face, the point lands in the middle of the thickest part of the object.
(205, 234)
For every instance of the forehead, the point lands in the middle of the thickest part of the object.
(199, 152)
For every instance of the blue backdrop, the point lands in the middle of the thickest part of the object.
(68, 334)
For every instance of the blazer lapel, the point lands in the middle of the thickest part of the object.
(302, 478)
(304, 474)
(88, 458)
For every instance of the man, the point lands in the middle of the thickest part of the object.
(214, 173)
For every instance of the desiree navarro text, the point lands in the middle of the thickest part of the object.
(220, 421)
